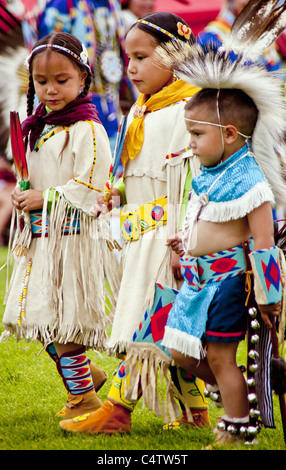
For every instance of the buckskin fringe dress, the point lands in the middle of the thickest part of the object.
(57, 288)
(158, 171)
(145, 180)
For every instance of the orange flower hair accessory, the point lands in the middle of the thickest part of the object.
(184, 30)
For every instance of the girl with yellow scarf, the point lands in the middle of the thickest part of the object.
(158, 168)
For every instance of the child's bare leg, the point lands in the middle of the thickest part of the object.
(230, 380)
(199, 368)
(220, 368)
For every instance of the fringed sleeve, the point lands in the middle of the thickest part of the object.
(69, 258)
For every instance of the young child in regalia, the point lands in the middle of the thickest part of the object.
(158, 168)
(56, 293)
(235, 122)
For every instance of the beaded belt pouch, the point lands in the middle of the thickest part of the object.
(213, 268)
(69, 226)
(147, 217)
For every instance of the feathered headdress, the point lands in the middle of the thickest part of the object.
(234, 65)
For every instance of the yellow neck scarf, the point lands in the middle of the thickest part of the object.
(134, 138)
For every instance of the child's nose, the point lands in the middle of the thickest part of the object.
(131, 66)
(51, 87)
(192, 142)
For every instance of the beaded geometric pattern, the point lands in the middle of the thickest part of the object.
(37, 224)
(76, 373)
(213, 268)
(267, 279)
(152, 327)
(147, 217)
(271, 273)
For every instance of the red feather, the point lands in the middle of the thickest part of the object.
(18, 147)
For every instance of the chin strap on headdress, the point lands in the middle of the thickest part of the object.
(216, 125)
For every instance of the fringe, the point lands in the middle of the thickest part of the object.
(183, 342)
(148, 363)
(112, 269)
(96, 269)
(48, 334)
(176, 172)
(22, 236)
(91, 251)
(177, 169)
(238, 208)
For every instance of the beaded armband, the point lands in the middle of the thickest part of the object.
(267, 279)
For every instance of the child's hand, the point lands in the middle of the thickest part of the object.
(15, 197)
(175, 242)
(102, 207)
(28, 200)
(176, 268)
(267, 310)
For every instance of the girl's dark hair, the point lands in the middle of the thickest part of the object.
(70, 42)
(167, 21)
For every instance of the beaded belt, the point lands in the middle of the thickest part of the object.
(147, 217)
(214, 267)
(37, 224)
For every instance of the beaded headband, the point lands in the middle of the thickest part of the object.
(82, 58)
(217, 125)
(182, 30)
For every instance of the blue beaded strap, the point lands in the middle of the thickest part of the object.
(71, 225)
(216, 267)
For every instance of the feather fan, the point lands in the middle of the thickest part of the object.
(18, 149)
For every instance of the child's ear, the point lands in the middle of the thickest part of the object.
(83, 77)
(230, 133)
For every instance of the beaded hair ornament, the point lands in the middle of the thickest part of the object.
(183, 30)
(82, 58)
(235, 65)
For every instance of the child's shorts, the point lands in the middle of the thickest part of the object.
(227, 314)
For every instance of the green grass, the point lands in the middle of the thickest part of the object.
(31, 393)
